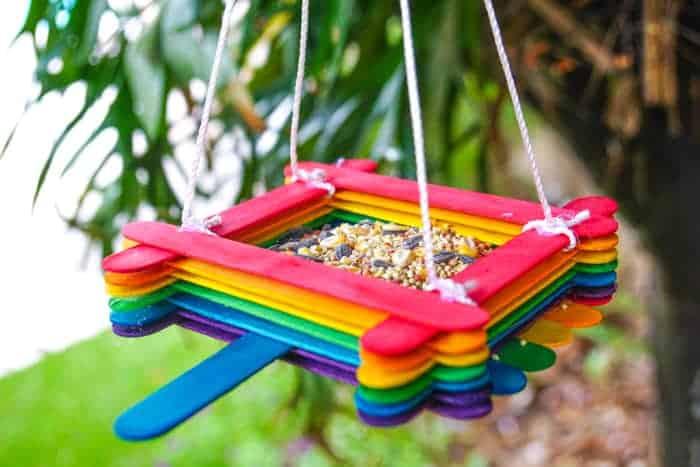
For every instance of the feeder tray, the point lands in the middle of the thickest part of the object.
(405, 349)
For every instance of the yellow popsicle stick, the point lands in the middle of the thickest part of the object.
(458, 342)
(606, 243)
(414, 221)
(596, 257)
(379, 378)
(548, 333)
(435, 213)
(466, 220)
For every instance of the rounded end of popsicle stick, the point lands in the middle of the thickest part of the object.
(395, 337)
(505, 379)
(362, 165)
(574, 315)
(135, 259)
(597, 205)
(596, 228)
(133, 428)
(547, 333)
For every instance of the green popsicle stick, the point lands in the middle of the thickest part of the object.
(526, 356)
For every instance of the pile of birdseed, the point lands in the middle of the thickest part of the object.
(388, 251)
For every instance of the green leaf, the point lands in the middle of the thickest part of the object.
(334, 123)
(89, 30)
(178, 15)
(35, 13)
(185, 51)
(13, 131)
(145, 75)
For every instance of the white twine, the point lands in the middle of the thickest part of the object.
(315, 178)
(559, 226)
(189, 221)
(549, 225)
(517, 107)
(449, 289)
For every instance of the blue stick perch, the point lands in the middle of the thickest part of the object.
(198, 387)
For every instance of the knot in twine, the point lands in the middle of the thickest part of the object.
(452, 291)
(194, 224)
(315, 178)
(559, 226)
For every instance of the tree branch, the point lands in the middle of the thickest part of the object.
(563, 22)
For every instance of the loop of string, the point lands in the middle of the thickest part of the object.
(189, 221)
(449, 289)
(559, 226)
(317, 177)
(550, 225)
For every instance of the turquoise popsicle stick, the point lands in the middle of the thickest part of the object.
(198, 387)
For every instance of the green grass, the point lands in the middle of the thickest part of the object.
(60, 412)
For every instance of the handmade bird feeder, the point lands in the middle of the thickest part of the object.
(406, 349)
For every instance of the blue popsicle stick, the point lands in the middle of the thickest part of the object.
(233, 317)
(198, 387)
(506, 380)
(584, 279)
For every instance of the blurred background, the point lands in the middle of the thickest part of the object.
(100, 103)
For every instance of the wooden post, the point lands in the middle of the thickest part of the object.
(659, 62)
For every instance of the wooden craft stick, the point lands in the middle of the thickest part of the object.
(198, 387)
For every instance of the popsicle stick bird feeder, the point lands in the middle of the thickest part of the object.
(287, 276)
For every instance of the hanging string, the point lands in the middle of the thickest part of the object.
(189, 221)
(299, 88)
(317, 177)
(550, 225)
(517, 107)
(449, 290)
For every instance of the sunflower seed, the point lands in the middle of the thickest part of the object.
(380, 263)
(342, 251)
(393, 229)
(412, 242)
(308, 242)
(466, 259)
(310, 258)
(444, 257)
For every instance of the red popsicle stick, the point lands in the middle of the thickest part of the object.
(485, 205)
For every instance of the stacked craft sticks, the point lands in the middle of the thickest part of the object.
(405, 349)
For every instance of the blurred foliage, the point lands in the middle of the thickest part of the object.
(143, 56)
